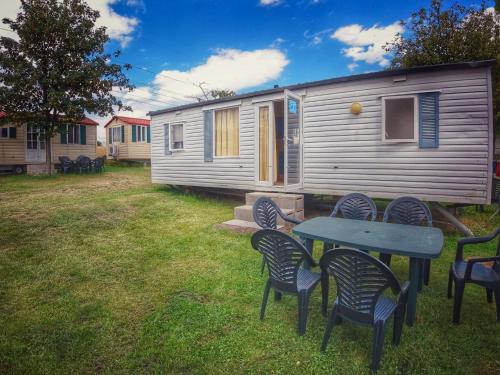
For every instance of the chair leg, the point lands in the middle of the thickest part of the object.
(497, 301)
(332, 321)
(324, 293)
(277, 295)
(399, 318)
(427, 271)
(303, 299)
(386, 259)
(378, 344)
(450, 283)
(489, 295)
(264, 299)
(262, 266)
(326, 247)
(457, 305)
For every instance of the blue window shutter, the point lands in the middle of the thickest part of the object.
(134, 133)
(64, 135)
(208, 135)
(148, 134)
(428, 117)
(110, 135)
(83, 135)
(122, 133)
(12, 132)
(166, 136)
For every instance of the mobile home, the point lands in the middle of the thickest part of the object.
(23, 148)
(425, 132)
(128, 138)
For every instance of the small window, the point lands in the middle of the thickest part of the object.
(140, 132)
(116, 134)
(4, 132)
(400, 119)
(227, 132)
(72, 134)
(176, 137)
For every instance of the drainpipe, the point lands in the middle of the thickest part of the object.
(461, 227)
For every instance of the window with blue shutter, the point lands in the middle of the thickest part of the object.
(428, 118)
(166, 138)
(208, 138)
(149, 134)
(122, 133)
(134, 133)
(12, 132)
(110, 135)
(83, 134)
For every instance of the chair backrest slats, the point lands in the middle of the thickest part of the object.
(408, 210)
(361, 280)
(355, 206)
(283, 255)
(265, 213)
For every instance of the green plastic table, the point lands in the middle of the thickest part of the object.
(416, 242)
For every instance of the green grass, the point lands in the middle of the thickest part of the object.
(110, 274)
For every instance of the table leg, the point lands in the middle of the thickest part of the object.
(415, 267)
(309, 244)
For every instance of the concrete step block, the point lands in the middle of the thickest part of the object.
(284, 201)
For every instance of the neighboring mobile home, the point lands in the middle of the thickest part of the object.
(128, 138)
(425, 132)
(23, 148)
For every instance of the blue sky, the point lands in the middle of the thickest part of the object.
(243, 45)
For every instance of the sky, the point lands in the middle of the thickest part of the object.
(242, 45)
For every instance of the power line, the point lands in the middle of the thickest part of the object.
(9, 30)
(156, 73)
(172, 94)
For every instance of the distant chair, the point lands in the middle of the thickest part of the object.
(483, 271)
(361, 280)
(83, 164)
(355, 206)
(98, 165)
(284, 257)
(66, 164)
(265, 214)
(409, 211)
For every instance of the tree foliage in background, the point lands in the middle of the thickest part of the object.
(210, 94)
(57, 70)
(457, 34)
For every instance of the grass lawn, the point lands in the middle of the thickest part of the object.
(110, 274)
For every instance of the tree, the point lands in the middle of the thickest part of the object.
(457, 34)
(210, 94)
(57, 71)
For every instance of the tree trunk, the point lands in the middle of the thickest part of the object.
(48, 154)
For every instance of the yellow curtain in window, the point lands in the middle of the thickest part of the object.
(263, 143)
(227, 132)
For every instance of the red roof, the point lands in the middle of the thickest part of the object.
(85, 121)
(130, 120)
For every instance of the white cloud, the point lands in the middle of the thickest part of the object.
(352, 66)
(119, 27)
(230, 69)
(269, 3)
(315, 39)
(367, 44)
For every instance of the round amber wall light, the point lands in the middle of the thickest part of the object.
(356, 108)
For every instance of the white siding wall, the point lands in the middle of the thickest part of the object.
(344, 153)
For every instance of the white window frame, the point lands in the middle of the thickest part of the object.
(239, 132)
(170, 137)
(8, 132)
(76, 130)
(141, 136)
(415, 119)
(117, 130)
